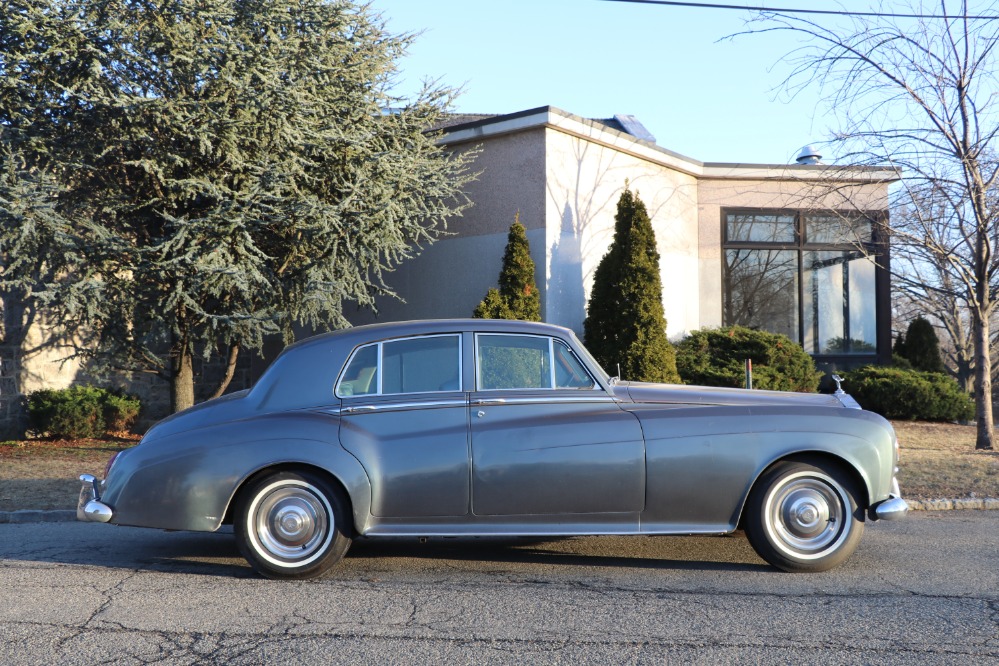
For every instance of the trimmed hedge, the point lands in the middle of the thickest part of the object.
(81, 411)
(717, 357)
(898, 393)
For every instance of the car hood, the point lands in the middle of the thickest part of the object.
(711, 395)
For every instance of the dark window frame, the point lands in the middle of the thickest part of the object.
(876, 248)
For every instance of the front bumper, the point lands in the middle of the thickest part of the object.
(892, 508)
(90, 508)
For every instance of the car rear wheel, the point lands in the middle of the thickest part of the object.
(804, 517)
(292, 525)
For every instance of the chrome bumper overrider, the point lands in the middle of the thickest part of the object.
(90, 508)
(892, 508)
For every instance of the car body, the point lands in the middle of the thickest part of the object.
(485, 427)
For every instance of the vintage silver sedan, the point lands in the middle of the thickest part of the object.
(498, 428)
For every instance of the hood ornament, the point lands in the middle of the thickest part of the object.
(839, 385)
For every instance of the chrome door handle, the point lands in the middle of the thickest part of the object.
(489, 401)
(362, 408)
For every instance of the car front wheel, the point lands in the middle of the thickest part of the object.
(292, 525)
(804, 517)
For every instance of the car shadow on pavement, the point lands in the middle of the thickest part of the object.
(216, 554)
(715, 553)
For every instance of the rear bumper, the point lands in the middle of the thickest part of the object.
(90, 508)
(892, 508)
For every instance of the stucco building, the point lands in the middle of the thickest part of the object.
(788, 248)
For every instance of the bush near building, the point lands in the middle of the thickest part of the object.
(717, 357)
(899, 393)
(81, 412)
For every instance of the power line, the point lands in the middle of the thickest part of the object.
(779, 10)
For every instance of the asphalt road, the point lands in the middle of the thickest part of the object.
(920, 591)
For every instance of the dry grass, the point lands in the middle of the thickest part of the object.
(938, 460)
(42, 474)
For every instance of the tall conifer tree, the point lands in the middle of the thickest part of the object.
(625, 324)
(233, 169)
(517, 296)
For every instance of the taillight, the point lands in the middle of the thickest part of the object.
(107, 468)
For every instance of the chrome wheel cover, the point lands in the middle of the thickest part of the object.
(808, 515)
(290, 523)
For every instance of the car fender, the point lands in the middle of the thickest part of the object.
(726, 449)
(189, 481)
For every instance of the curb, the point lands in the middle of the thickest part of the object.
(967, 504)
(980, 503)
(37, 516)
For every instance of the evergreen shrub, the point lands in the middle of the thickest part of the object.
(518, 296)
(920, 346)
(717, 357)
(898, 393)
(625, 325)
(81, 411)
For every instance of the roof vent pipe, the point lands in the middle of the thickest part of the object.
(809, 155)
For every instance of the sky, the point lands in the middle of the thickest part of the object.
(700, 94)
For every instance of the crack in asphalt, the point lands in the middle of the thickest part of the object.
(109, 595)
(225, 646)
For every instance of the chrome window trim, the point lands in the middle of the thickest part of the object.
(402, 405)
(541, 400)
(551, 362)
(378, 368)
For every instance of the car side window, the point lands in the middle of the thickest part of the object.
(411, 365)
(360, 377)
(421, 365)
(569, 371)
(513, 362)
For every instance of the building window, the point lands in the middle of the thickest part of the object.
(818, 278)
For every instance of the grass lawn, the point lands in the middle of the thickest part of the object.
(938, 461)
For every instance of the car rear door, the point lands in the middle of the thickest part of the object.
(404, 416)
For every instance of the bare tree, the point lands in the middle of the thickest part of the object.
(921, 96)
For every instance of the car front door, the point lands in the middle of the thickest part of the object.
(546, 439)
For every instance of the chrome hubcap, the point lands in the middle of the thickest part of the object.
(807, 514)
(291, 522)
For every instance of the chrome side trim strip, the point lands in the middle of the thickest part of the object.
(583, 531)
(381, 407)
(541, 401)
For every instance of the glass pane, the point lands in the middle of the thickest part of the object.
(361, 375)
(569, 372)
(760, 228)
(420, 365)
(839, 307)
(513, 361)
(761, 290)
(837, 229)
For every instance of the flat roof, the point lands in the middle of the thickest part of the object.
(484, 127)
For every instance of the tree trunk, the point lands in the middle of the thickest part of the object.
(182, 379)
(983, 383)
(230, 370)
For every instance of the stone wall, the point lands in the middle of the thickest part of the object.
(46, 367)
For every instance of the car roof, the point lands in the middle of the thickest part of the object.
(396, 329)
